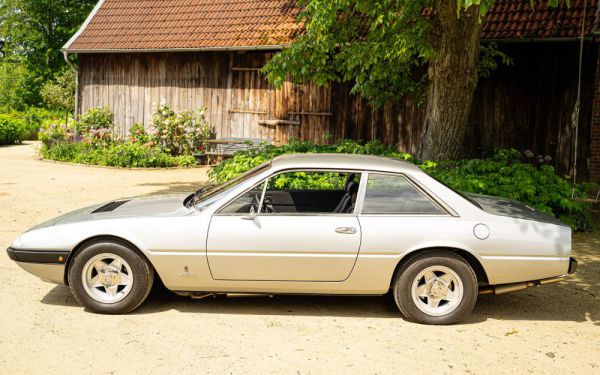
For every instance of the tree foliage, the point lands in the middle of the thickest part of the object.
(60, 92)
(32, 32)
(37, 29)
(378, 45)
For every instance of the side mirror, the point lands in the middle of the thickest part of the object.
(252, 215)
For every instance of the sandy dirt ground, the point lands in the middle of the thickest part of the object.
(553, 329)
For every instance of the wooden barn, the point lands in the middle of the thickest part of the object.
(136, 54)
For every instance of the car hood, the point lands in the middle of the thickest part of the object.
(512, 208)
(131, 207)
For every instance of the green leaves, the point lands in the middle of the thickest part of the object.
(380, 46)
(31, 35)
(35, 30)
(122, 154)
(11, 129)
(376, 44)
(490, 57)
(60, 92)
(506, 174)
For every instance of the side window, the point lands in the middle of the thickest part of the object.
(305, 192)
(388, 194)
(245, 203)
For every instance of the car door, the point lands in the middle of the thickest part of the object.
(284, 242)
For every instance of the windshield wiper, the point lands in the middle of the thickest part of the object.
(192, 200)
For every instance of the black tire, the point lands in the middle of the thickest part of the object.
(405, 276)
(143, 277)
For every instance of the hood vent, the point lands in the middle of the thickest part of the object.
(110, 206)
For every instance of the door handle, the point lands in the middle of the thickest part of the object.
(346, 230)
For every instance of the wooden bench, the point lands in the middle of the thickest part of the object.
(226, 147)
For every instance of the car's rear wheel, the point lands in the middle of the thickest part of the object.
(435, 288)
(110, 277)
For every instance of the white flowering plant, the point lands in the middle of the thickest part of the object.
(182, 133)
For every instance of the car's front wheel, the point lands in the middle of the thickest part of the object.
(109, 277)
(435, 288)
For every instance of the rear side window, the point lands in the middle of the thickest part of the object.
(389, 194)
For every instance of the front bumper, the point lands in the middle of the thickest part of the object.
(37, 256)
(47, 265)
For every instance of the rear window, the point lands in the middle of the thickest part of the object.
(390, 194)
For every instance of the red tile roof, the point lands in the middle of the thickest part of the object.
(187, 24)
(238, 24)
(513, 19)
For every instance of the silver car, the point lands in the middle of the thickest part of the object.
(305, 224)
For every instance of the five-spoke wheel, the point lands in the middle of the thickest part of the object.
(110, 277)
(107, 278)
(435, 288)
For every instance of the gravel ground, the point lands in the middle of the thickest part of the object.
(552, 329)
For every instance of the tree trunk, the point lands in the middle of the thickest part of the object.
(452, 75)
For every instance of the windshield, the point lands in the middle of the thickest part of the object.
(212, 193)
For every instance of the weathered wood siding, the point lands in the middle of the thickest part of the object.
(525, 106)
(529, 105)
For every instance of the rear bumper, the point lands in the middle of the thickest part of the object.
(572, 265)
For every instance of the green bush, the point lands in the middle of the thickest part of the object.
(52, 134)
(11, 130)
(96, 118)
(63, 151)
(99, 147)
(247, 159)
(115, 155)
(35, 119)
(96, 127)
(505, 174)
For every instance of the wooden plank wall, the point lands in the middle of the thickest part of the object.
(529, 105)
(525, 106)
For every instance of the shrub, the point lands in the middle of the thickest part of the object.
(63, 151)
(96, 118)
(505, 174)
(124, 154)
(96, 127)
(179, 134)
(53, 133)
(138, 134)
(250, 158)
(11, 129)
(36, 118)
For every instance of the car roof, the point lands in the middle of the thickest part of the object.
(343, 161)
